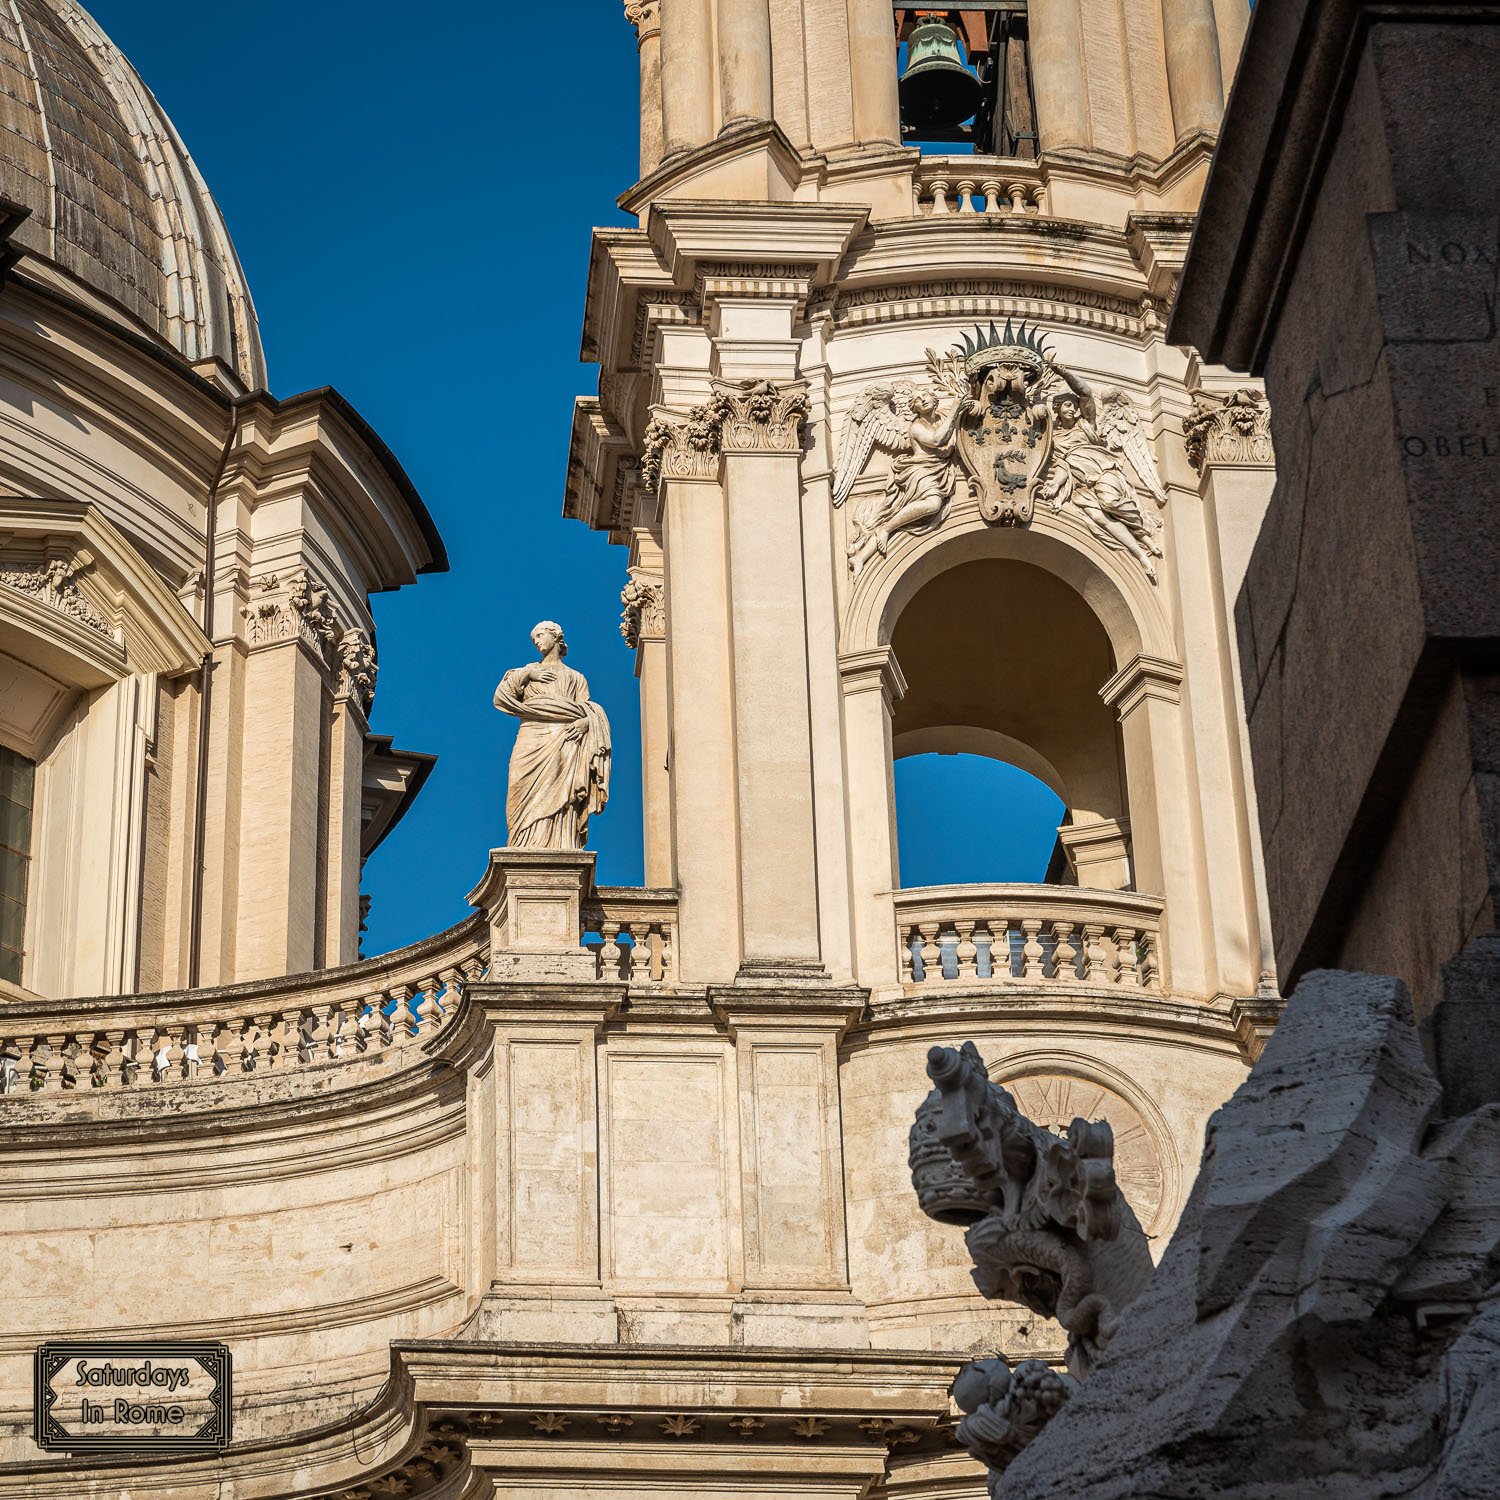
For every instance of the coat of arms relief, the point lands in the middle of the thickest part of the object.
(1000, 415)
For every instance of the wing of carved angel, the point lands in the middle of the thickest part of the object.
(1120, 430)
(880, 418)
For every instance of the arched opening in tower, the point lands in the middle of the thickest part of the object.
(1003, 663)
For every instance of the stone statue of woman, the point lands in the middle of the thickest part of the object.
(559, 769)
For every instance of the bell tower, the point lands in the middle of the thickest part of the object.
(901, 462)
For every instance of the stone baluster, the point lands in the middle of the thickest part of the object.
(668, 951)
(931, 952)
(966, 954)
(1000, 959)
(403, 1024)
(940, 195)
(368, 1027)
(1095, 955)
(317, 1031)
(1018, 197)
(990, 187)
(194, 1064)
(10, 1072)
(429, 1012)
(1125, 953)
(628, 951)
(474, 968)
(609, 951)
(135, 1053)
(229, 1047)
(108, 1069)
(966, 187)
(1031, 951)
(453, 992)
(1064, 954)
(46, 1063)
(1150, 967)
(78, 1071)
(161, 1055)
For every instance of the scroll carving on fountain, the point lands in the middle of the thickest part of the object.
(1000, 415)
(1047, 1227)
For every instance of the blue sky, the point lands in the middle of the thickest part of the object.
(411, 192)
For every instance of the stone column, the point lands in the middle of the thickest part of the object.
(1228, 441)
(872, 60)
(873, 685)
(644, 628)
(1062, 109)
(645, 16)
(682, 456)
(1165, 837)
(761, 437)
(1194, 77)
(286, 703)
(744, 34)
(345, 773)
(687, 75)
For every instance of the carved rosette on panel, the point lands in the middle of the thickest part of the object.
(1001, 417)
(55, 584)
(1232, 429)
(644, 616)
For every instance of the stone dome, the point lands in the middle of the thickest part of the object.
(119, 216)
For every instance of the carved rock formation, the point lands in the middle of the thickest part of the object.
(1325, 1320)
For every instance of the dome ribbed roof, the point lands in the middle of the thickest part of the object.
(116, 202)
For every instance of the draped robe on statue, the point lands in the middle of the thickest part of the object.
(555, 782)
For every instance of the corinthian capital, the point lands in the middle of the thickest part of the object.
(760, 417)
(682, 447)
(1232, 429)
(644, 15)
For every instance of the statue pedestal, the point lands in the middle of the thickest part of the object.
(533, 899)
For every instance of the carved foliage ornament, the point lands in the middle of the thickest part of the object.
(1232, 429)
(55, 584)
(299, 608)
(754, 416)
(644, 616)
(1000, 416)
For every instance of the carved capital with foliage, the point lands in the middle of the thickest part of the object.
(1232, 429)
(644, 617)
(758, 416)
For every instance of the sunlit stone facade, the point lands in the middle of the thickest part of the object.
(605, 1188)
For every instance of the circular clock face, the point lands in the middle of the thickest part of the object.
(1055, 1100)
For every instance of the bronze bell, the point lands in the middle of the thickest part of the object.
(937, 89)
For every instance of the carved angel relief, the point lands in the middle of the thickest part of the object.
(1000, 415)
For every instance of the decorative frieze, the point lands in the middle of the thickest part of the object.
(1232, 429)
(55, 584)
(644, 616)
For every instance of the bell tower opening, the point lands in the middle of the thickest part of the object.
(966, 78)
(1004, 660)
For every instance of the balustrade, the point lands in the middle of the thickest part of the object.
(977, 185)
(632, 934)
(268, 1027)
(364, 1010)
(1028, 935)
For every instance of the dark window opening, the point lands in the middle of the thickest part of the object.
(17, 788)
